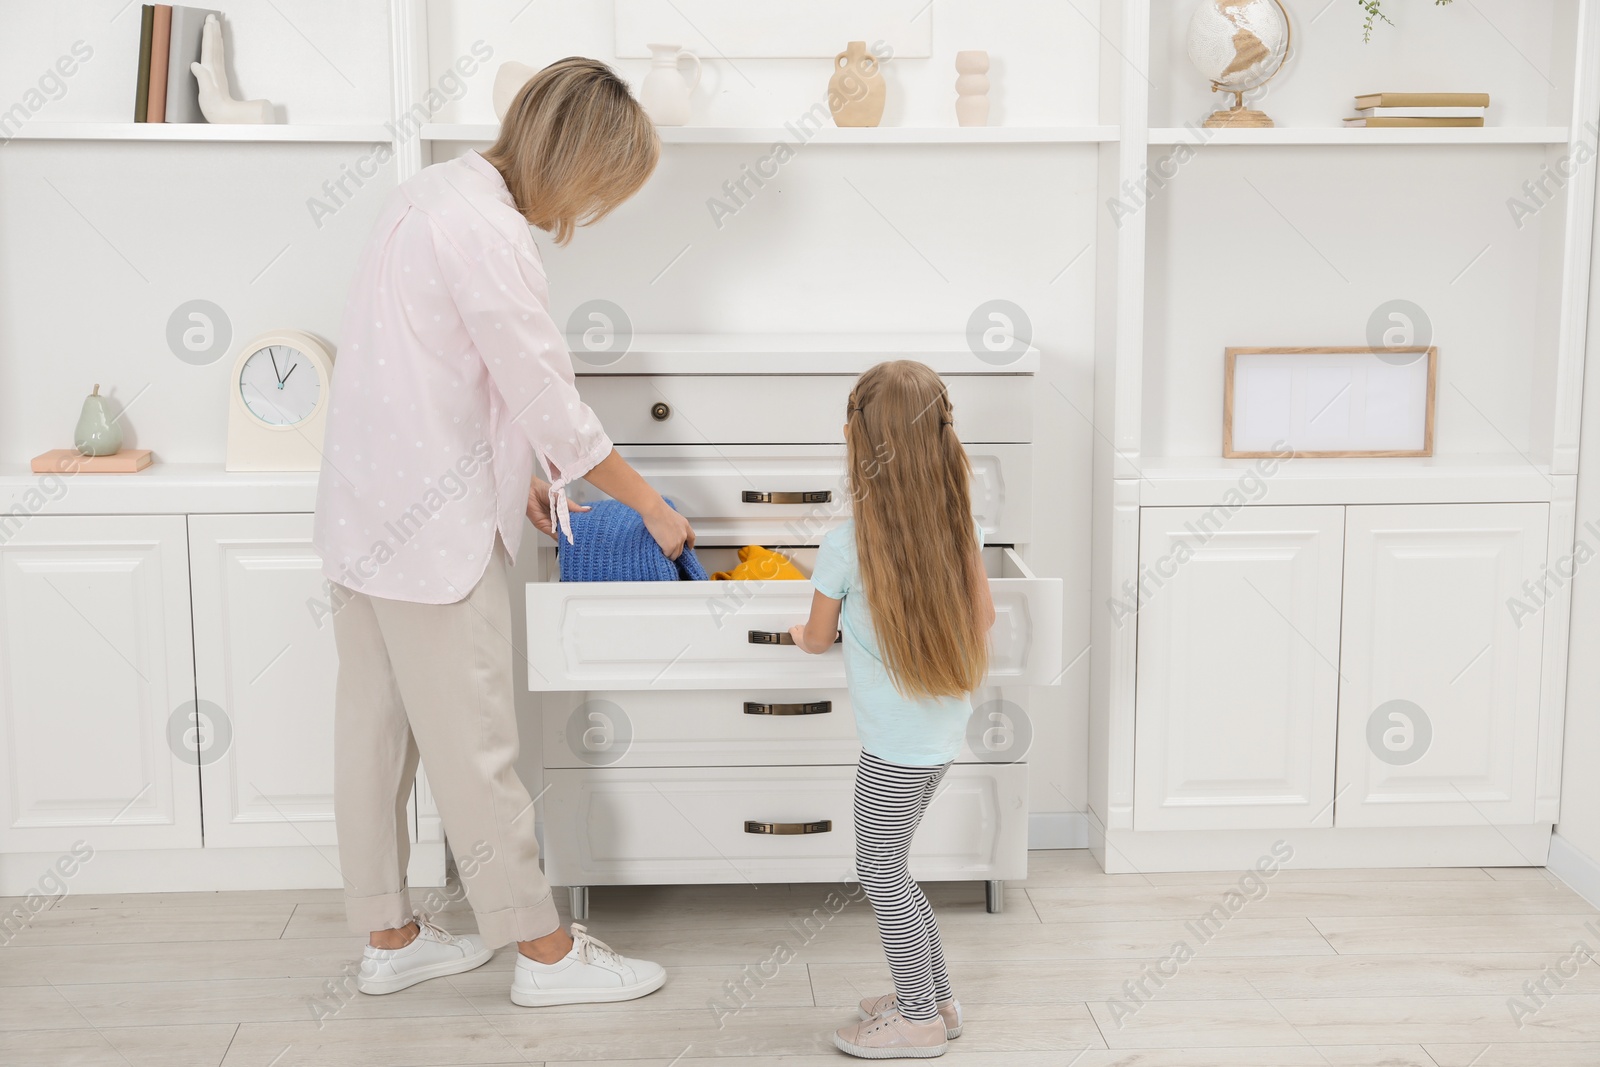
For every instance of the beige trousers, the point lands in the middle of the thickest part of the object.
(434, 679)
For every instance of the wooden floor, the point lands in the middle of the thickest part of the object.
(1414, 968)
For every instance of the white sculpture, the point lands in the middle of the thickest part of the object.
(216, 97)
(972, 88)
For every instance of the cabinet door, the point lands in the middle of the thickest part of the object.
(1439, 708)
(266, 664)
(95, 666)
(1237, 690)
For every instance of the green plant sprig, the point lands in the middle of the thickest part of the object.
(1374, 11)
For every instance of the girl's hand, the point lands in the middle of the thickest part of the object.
(824, 618)
(671, 530)
(539, 508)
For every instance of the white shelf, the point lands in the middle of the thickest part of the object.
(1343, 135)
(485, 132)
(365, 133)
(798, 353)
(164, 489)
(1198, 481)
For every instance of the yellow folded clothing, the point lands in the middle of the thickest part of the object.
(760, 564)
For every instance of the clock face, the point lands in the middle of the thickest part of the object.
(280, 385)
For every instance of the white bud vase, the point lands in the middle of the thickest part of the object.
(972, 88)
(665, 93)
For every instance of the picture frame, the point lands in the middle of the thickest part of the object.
(790, 29)
(1329, 402)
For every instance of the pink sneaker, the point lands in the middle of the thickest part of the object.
(893, 1037)
(949, 1011)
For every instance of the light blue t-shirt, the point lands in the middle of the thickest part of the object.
(915, 733)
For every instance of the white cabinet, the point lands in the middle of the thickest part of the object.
(95, 678)
(1273, 638)
(675, 715)
(1439, 709)
(266, 666)
(1237, 685)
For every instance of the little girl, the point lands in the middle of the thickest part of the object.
(905, 581)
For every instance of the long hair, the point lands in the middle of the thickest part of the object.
(574, 144)
(915, 538)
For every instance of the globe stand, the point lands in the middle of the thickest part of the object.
(1238, 117)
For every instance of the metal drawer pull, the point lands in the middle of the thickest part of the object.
(820, 496)
(777, 637)
(789, 829)
(816, 707)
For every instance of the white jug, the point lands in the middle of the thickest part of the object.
(665, 93)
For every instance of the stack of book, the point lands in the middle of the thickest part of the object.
(169, 40)
(1400, 110)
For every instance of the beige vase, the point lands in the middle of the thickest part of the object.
(856, 90)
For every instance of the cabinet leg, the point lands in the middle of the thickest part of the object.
(994, 896)
(579, 896)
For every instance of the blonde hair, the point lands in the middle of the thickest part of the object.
(916, 542)
(574, 144)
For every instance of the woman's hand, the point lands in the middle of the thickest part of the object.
(671, 530)
(539, 508)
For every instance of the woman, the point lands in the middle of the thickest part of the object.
(451, 378)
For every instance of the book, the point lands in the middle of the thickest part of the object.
(183, 91)
(1423, 112)
(141, 97)
(159, 38)
(1422, 100)
(1395, 122)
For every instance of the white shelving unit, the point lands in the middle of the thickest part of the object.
(1338, 214)
(1506, 490)
(1352, 136)
(372, 133)
(481, 133)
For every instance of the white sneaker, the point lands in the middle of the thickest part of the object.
(433, 953)
(590, 974)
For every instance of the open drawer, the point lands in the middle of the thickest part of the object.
(725, 635)
(793, 494)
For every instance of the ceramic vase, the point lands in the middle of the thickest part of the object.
(972, 88)
(665, 93)
(98, 433)
(856, 91)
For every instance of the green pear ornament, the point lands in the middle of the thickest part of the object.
(98, 433)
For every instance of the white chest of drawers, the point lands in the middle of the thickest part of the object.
(681, 743)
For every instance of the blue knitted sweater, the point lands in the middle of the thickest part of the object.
(613, 545)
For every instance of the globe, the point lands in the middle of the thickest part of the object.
(1239, 45)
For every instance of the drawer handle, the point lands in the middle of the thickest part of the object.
(789, 829)
(779, 637)
(819, 496)
(816, 707)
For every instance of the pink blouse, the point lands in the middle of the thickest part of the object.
(451, 377)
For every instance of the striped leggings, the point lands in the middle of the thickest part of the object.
(890, 800)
